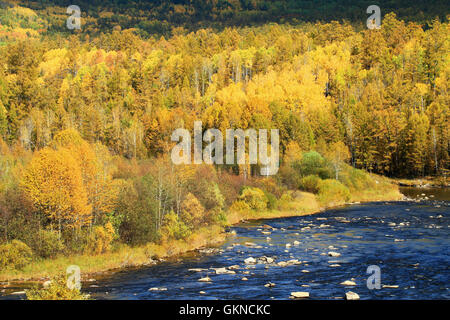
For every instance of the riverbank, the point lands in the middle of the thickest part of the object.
(303, 203)
(426, 182)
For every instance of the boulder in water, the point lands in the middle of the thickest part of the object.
(390, 286)
(351, 296)
(224, 271)
(250, 260)
(334, 254)
(157, 289)
(299, 295)
(197, 269)
(205, 279)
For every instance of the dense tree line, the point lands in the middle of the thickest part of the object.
(382, 92)
(150, 16)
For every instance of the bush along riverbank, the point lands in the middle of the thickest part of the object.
(112, 213)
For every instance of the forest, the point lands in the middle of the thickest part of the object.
(86, 115)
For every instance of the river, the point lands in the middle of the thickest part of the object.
(407, 240)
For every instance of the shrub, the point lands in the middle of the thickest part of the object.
(289, 176)
(214, 199)
(310, 183)
(326, 172)
(230, 186)
(203, 185)
(174, 227)
(219, 219)
(271, 200)
(15, 254)
(287, 196)
(285, 200)
(48, 244)
(56, 290)
(192, 211)
(100, 239)
(137, 209)
(310, 163)
(17, 215)
(254, 198)
(357, 179)
(239, 206)
(154, 251)
(332, 191)
(270, 185)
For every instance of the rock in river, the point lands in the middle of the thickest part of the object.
(250, 260)
(299, 295)
(334, 254)
(224, 271)
(390, 286)
(205, 279)
(197, 269)
(265, 259)
(351, 296)
(348, 283)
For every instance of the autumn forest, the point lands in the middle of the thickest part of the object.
(86, 116)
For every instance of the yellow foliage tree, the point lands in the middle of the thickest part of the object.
(293, 152)
(100, 239)
(53, 181)
(96, 170)
(192, 211)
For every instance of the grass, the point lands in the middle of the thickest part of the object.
(122, 256)
(302, 203)
(385, 189)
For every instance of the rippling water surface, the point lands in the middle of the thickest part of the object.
(409, 241)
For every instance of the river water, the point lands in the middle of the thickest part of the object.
(407, 240)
